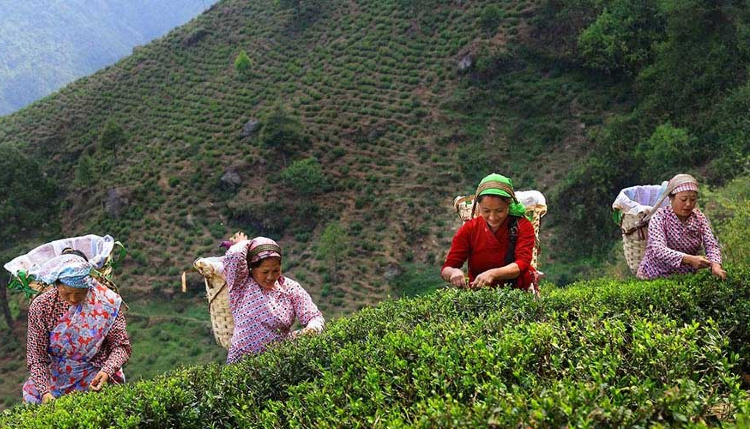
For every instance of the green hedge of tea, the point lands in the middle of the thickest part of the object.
(595, 354)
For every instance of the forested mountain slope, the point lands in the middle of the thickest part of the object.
(46, 44)
(389, 127)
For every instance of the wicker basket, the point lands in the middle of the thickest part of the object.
(634, 239)
(632, 207)
(536, 208)
(217, 293)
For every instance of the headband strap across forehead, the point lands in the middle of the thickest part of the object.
(493, 184)
(263, 248)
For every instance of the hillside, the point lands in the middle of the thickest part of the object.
(372, 115)
(47, 44)
(397, 130)
(666, 353)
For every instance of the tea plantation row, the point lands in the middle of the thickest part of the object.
(595, 354)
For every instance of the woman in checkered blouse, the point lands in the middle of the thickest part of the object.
(263, 302)
(677, 233)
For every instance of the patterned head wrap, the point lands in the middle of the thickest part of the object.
(682, 182)
(262, 248)
(497, 184)
(69, 269)
(685, 187)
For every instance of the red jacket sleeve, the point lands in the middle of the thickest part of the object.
(460, 248)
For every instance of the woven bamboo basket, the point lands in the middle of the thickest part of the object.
(634, 239)
(632, 208)
(463, 205)
(217, 293)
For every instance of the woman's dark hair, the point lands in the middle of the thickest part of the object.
(71, 251)
(507, 200)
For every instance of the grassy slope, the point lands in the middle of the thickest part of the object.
(596, 354)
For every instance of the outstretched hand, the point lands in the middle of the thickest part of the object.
(458, 279)
(303, 332)
(718, 271)
(237, 237)
(483, 280)
(696, 262)
(99, 381)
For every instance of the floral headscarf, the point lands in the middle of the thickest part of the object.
(69, 269)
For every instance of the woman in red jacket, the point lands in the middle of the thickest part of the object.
(498, 243)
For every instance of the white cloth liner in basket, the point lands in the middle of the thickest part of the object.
(97, 249)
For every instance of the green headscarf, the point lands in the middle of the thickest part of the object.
(497, 184)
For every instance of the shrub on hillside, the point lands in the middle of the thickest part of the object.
(728, 209)
(282, 133)
(622, 36)
(305, 177)
(667, 152)
(243, 64)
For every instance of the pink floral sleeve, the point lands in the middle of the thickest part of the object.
(304, 307)
(236, 270)
(37, 343)
(713, 251)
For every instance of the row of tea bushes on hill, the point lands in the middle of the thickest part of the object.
(596, 354)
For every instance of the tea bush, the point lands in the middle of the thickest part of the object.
(595, 354)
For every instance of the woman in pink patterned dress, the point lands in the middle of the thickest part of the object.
(76, 338)
(263, 302)
(677, 233)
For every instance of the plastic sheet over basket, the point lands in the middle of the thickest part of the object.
(25, 268)
(217, 292)
(534, 202)
(97, 249)
(634, 204)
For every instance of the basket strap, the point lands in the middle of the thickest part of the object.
(211, 300)
(637, 227)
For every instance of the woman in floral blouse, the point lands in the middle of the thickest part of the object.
(677, 233)
(76, 338)
(263, 302)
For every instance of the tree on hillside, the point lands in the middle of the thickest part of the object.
(333, 246)
(28, 203)
(4, 307)
(623, 36)
(85, 171)
(242, 63)
(418, 7)
(704, 54)
(668, 151)
(491, 18)
(282, 133)
(304, 176)
(112, 137)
